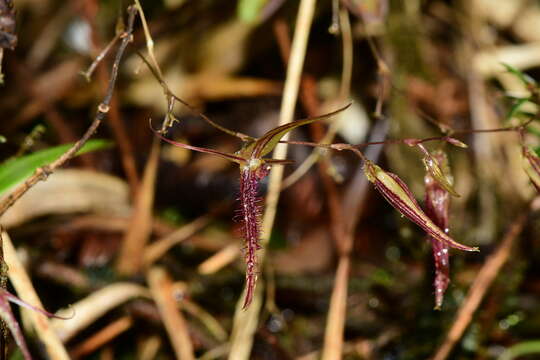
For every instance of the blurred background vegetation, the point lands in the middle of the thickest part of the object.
(418, 69)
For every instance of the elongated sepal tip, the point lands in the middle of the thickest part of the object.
(457, 143)
(251, 281)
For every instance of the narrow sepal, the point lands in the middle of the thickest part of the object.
(268, 141)
(230, 157)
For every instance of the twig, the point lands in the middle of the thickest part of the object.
(211, 323)
(156, 250)
(245, 321)
(88, 73)
(23, 285)
(115, 120)
(94, 306)
(171, 98)
(479, 287)
(103, 108)
(161, 289)
(154, 68)
(102, 337)
(220, 259)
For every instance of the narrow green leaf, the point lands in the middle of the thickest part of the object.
(248, 10)
(533, 130)
(516, 107)
(525, 79)
(16, 170)
(268, 141)
(521, 349)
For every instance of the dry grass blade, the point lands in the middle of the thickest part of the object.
(333, 337)
(149, 348)
(156, 250)
(245, 322)
(102, 337)
(220, 259)
(479, 287)
(94, 306)
(344, 218)
(22, 284)
(71, 191)
(131, 255)
(161, 288)
(210, 322)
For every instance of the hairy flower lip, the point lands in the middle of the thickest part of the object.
(250, 209)
(400, 197)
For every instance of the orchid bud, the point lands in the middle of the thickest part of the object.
(433, 167)
(400, 197)
(456, 142)
(434, 170)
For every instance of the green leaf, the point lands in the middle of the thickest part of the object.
(521, 349)
(248, 10)
(516, 107)
(268, 141)
(525, 79)
(533, 130)
(2, 139)
(16, 170)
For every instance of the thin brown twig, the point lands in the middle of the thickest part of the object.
(406, 141)
(115, 122)
(88, 73)
(171, 98)
(102, 337)
(43, 172)
(480, 286)
(155, 250)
